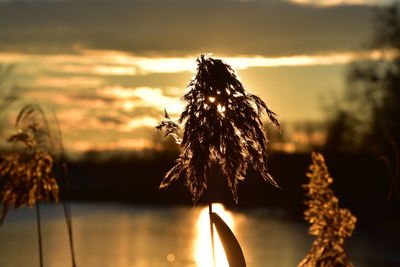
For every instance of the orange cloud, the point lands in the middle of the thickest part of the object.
(114, 63)
(120, 144)
(327, 3)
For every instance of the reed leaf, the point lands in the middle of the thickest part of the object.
(233, 251)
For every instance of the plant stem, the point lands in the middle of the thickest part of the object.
(39, 234)
(67, 213)
(66, 204)
(212, 233)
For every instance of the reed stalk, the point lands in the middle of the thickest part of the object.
(68, 219)
(39, 231)
(210, 211)
(220, 129)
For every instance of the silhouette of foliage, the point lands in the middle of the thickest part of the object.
(170, 128)
(222, 126)
(329, 223)
(27, 170)
(367, 118)
(341, 132)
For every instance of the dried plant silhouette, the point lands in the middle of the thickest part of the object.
(222, 126)
(329, 223)
(222, 132)
(27, 170)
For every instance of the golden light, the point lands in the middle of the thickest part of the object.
(171, 257)
(202, 245)
(67, 82)
(140, 122)
(144, 97)
(128, 105)
(221, 108)
(327, 3)
(115, 70)
(136, 144)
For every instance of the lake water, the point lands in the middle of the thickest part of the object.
(112, 235)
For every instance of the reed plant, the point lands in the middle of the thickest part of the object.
(27, 171)
(220, 131)
(330, 224)
(222, 125)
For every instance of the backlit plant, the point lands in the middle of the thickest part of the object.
(222, 126)
(27, 170)
(222, 133)
(329, 223)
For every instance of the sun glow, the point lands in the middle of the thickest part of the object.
(221, 108)
(202, 246)
(140, 122)
(144, 97)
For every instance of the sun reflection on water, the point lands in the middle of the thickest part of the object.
(202, 244)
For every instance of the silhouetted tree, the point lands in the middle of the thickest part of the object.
(341, 132)
(370, 121)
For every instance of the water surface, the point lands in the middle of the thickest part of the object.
(112, 235)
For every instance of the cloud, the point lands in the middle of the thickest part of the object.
(82, 71)
(135, 123)
(328, 3)
(133, 144)
(66, 82)
(110, 67)
(100, 118)
(110, 119)
(182, 28)
(97, 108)
(141, 111)
(130, 99)
(91, 96)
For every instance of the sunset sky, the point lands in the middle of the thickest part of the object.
(109, 68)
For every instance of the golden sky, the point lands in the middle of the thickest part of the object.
(109, 68)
